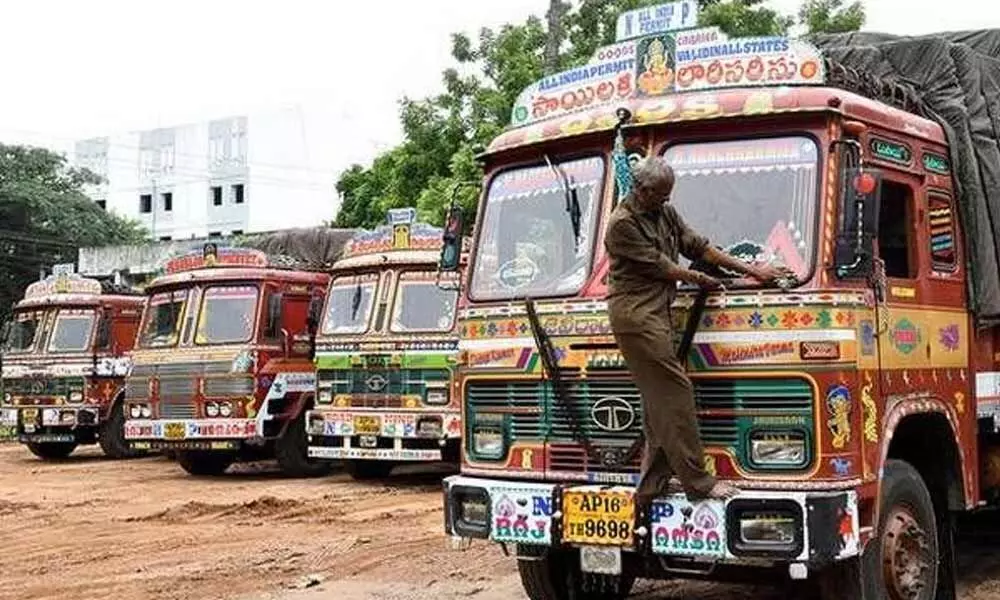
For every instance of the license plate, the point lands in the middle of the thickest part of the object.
(603, 518)
(683, 528)
(367, 425)
(173, 431)
(606, 561)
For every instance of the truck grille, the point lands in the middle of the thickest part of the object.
(45, 387)
(178, 385)
(534, 414)
(380, 388)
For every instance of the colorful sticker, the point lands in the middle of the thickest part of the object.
(867, 338)
(681, 528)
(521, 515)
(841, 466)
(960, 402)
(655, 66)
(870, 410)
(949, 337)
(838, 404)
(905, 336)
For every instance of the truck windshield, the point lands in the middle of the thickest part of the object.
(349, 304)
(227, 314)
(527, 246)
(422, 306)
(24, 330)
(162, 319)
(755, 198)
(72, 330)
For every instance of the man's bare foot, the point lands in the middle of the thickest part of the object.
(723, 491)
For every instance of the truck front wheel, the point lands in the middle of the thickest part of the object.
(52, 450)
(555, 575)
(901, 561)
(112, 435)
(204, 463)
(291, 450)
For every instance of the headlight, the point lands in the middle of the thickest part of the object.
(765, 528)
(437, 397)
(67, 417)
(488, 439)
(76, 396)
(147, 411)
(325, 396)
(225, 409)
(212, 409)
(778, 449)
(7, 397)
(135, 411)
(123, 366)
(50, 415)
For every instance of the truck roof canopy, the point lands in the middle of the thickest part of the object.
(952, 78)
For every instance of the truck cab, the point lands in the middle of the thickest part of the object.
(385, 353)
(222, 368)
(65, 356)
(839, 400)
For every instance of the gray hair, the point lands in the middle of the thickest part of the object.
(652, 172)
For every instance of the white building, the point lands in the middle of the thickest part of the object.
(223, 177)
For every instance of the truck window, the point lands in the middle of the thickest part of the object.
(942, 232)
(895, 229)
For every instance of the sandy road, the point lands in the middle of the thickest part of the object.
(92, 528)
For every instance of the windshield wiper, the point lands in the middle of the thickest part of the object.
(356, 302)
(572, 200)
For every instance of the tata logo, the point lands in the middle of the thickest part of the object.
(612, 414)
(376, 383)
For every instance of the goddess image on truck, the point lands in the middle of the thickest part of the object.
(853, 405)
(65, 358)
(223, 363)
(385, 353)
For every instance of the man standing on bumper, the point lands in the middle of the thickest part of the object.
(644, 236)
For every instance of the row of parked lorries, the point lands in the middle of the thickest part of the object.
(234, 354)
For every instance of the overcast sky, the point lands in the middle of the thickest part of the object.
(72, 69)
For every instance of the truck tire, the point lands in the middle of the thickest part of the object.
(204, 463)
(363, 470)
(112, 435)
(291, 450)
(52, 450)
(556, 575)
(901, 561)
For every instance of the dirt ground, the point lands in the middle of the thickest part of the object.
(93, 528)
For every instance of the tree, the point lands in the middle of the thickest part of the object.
(45, 217)
(443, 134)
(831, 16)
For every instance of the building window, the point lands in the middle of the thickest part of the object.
(168, 201)
(165, 238)
(237, 232)
(214, 234)
(101, 204)
(145, 203)
(216, 195)
(238, 193)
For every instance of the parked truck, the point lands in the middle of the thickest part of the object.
(854, 404)
(386, 353)
(222, 368)
(64, 359)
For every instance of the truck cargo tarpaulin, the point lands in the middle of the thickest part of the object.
(954, 79)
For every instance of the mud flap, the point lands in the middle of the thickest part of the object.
(947, 570)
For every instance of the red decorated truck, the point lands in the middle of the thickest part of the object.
(222, 367)
(855, 404)
(65, 354)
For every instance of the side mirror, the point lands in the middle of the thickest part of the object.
(451, 249)
(314, 315)
(103, 338)
(861, 195)
(273, 328)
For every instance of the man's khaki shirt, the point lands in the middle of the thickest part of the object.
(641, 247)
